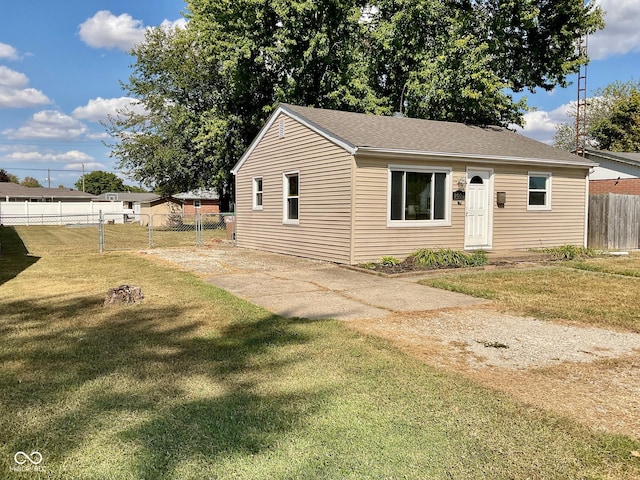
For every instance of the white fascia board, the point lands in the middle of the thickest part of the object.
(300, 119)
(475, 158)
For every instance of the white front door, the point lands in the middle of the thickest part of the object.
(477, 225)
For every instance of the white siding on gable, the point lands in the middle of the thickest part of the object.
(324, 224)
(612, 170)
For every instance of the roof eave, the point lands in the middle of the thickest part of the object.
(473, 157)
(612, 156)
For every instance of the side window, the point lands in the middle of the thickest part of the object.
(257, 193)
(539, 191)
(291, 199)
(197, 203)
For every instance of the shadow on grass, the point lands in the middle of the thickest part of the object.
(186, 391)
(14, 257)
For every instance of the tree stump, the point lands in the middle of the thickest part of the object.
(124, 294)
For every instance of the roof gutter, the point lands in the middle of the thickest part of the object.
(475, 158)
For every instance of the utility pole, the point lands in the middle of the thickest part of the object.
(83, 177)
(48, 178)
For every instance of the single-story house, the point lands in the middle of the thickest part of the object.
(616, 173)
(199, 201)
(352, 188)
(131, 201)
(12, 192)
(159, 210)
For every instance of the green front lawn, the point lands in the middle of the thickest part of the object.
(601, 291)
(194, 383)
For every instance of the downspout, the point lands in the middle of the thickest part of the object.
(352, 239)
(586, 207)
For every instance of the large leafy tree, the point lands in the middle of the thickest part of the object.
(459, 59)
(207, 89)
(599, 110)
(99, 182)
(7, 177)
(30, 182)
(620, 131)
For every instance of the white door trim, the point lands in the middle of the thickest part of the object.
(487, 241)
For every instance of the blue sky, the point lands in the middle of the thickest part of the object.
(60, 73)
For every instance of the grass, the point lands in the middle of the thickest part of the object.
(130, 236)
(195, 383)
(571, 292)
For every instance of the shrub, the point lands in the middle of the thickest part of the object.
(569, 252)
(447, 258)
(389, 261)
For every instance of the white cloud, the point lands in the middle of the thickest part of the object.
(180, 23)
(99, 109)
(12, 79)
(541, 125)
(12, 91)
(48, 124)
(87, 166)
(106, 30)
(8, 52)
(70, 156)
(621, 34)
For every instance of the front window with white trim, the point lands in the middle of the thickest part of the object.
(419, 196)
(539, 191)
(291, 200)
(257, 193)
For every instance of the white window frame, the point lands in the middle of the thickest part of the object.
(420, 169)
(547, 205)
(197, 203)
(256, 205)
(285, 197)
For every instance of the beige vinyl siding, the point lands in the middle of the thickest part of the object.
(324, 171)
(516, 227)
(373, 239)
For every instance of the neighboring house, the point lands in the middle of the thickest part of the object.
(351, 188)
(199, 201)
(132, 201)
(53, 206)
(616, 173)
(159, 210)
(12, 192)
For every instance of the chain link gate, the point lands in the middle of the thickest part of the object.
(159, 230)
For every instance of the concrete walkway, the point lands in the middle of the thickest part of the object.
(297, 287)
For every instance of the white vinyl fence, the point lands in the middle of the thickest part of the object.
(60, 213)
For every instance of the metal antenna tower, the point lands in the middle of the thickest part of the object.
(581, 105)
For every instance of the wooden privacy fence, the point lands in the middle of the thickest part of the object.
(614, 221)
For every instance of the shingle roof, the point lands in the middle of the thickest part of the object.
(13, 190)
(200, 194)
(130, 196)
(632, 158)
(428, 136)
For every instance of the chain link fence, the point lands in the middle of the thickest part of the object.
(117, 231)
(162, 230)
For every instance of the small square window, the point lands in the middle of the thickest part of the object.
(197, 203)
(539, 191)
